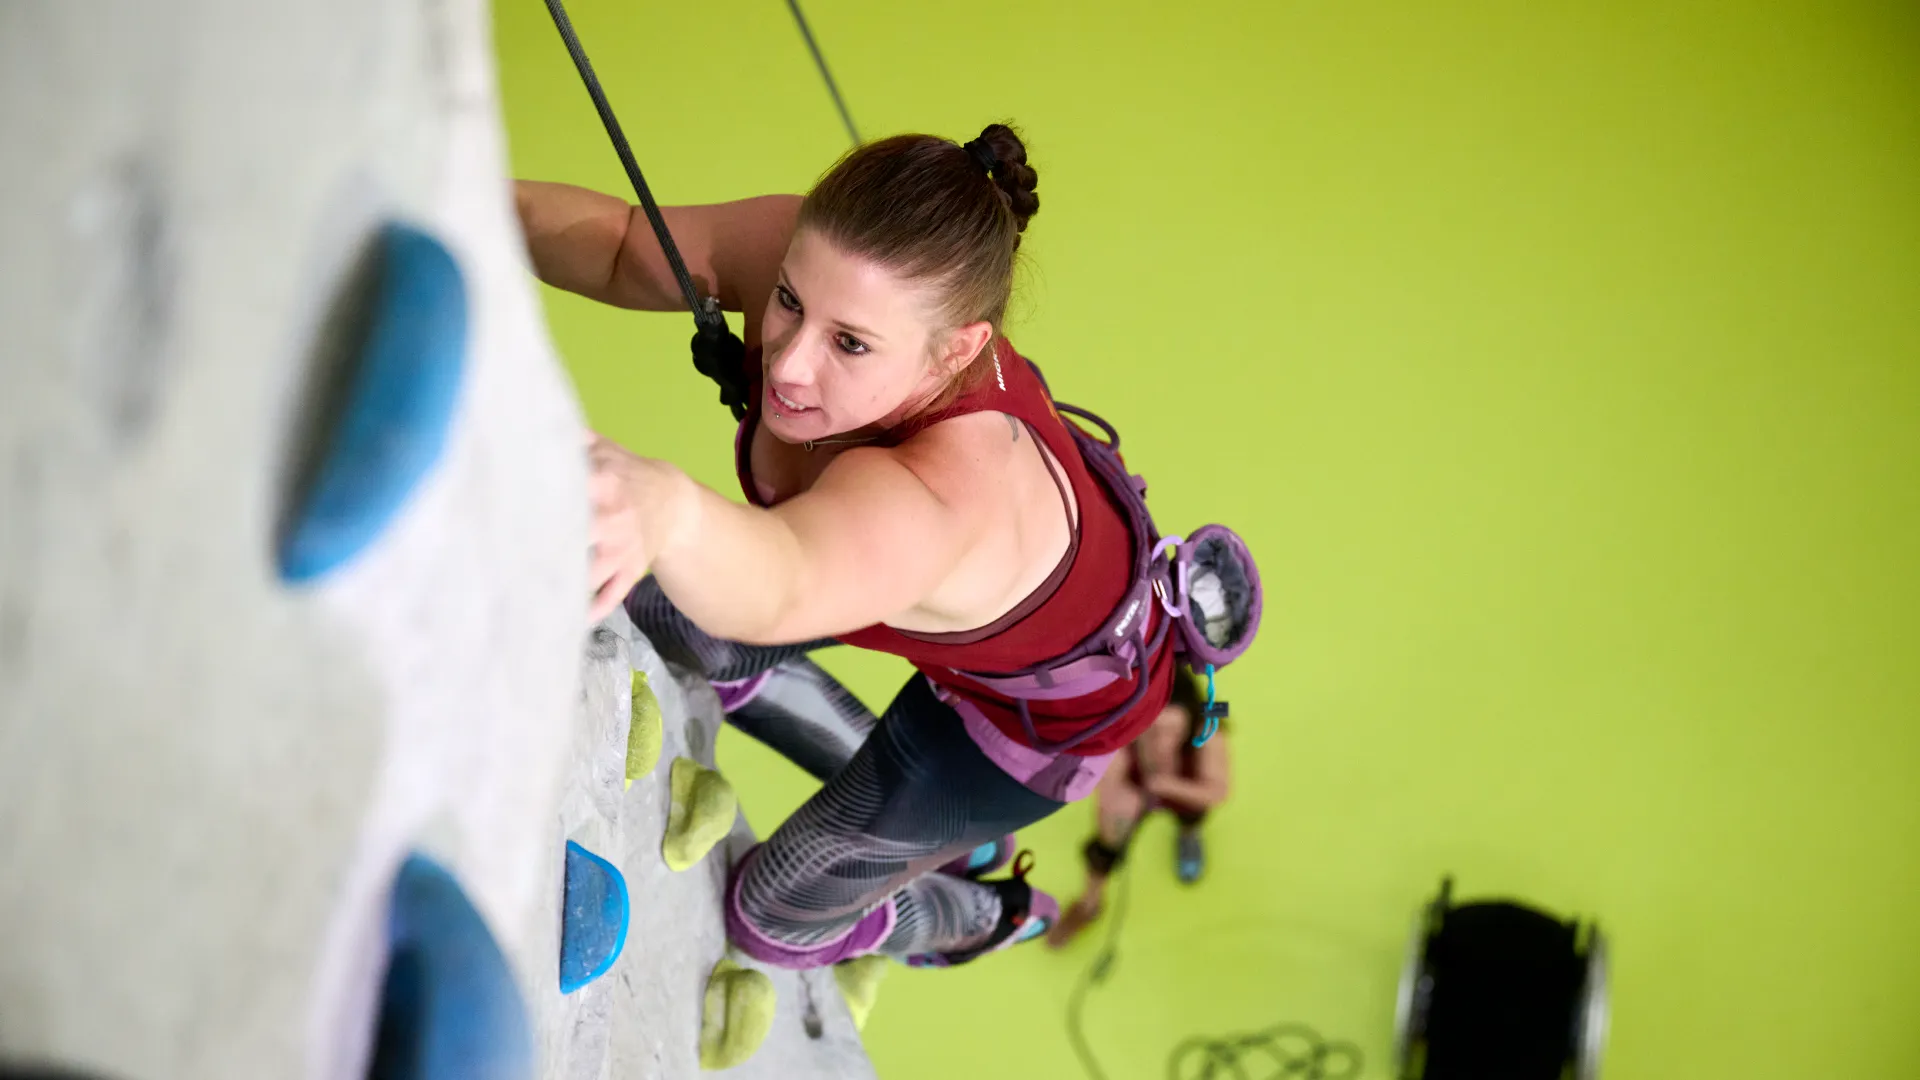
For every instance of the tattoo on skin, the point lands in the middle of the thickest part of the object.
(1015, 425)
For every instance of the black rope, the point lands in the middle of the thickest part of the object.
(717, 352)
(1097, 973)
(687, 289)
(820, 61)
(1281, 1052)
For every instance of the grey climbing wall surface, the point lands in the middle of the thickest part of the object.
(207, 777)
(641, 1019)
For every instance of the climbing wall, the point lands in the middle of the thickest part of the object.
(638, 1019)
(292, 551)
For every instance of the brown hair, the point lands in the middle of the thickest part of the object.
(924, 208)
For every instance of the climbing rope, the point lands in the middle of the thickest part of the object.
(1281, 1052)
(718, 353)
(820, 61)
(1096, 974)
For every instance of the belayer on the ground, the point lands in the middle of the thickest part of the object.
(912, 488)
(1168, 768)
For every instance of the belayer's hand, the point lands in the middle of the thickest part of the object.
(638, 503)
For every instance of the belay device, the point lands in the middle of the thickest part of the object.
(1495, 990)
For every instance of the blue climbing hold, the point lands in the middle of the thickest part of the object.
(451, 1009)
(398, 406)
(593, 927)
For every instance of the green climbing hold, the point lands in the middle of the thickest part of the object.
(700, 816)
(643, 734)
(859, 982)
(737, 1016)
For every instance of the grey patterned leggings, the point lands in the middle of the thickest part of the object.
(900, 796)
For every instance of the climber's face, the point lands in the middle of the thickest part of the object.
(848, 344)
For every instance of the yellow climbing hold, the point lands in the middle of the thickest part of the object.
(701, 814)
(643, 734)
(859, 982)
(737, 1016)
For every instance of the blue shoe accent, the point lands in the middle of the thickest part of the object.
(1190, 857)
(399, 404)
(980, 861)
(593, 927)
(451, 1010)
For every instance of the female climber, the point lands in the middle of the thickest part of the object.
(909, 488)
(1161, 770)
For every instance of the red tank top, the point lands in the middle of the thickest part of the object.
(1077, 597)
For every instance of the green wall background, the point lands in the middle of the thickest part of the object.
(1562, 366)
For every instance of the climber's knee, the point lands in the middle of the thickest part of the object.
(761, 937)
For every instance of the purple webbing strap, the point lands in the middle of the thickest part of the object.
(1107, 721)
(1059, 682)
(1113, 437)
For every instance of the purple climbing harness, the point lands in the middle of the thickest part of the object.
(1215, 629)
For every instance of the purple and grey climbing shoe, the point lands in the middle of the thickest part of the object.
(982, 860)
(1025, 914)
